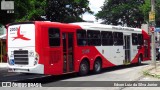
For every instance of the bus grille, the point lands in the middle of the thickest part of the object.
(21, 57)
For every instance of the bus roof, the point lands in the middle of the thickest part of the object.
(86, 25)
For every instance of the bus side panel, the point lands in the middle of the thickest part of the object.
(135, 59)
(91, 53)
(38, 44)
(142, 50)
(147, 48)
(51, 55)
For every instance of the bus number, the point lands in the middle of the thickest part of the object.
(85, 51)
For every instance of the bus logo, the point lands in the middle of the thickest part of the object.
(20, 36)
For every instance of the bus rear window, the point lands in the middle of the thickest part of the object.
(54, 37)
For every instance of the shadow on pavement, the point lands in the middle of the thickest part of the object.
(51, 79)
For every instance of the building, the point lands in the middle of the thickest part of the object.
(3, 54)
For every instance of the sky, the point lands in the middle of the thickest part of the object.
(95, 7)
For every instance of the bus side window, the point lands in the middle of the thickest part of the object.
(81, 37)
(94, 38)
(140, 39)
(134, 39)
(118, 38)
(107, 38)
(54, 37)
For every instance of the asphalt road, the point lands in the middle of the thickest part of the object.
(120, 73)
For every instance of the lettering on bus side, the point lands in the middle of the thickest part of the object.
(13, 29)
(85, 51)
(121, 28)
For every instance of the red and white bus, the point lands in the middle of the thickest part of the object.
(57, 48)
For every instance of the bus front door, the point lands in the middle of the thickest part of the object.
(68, 65)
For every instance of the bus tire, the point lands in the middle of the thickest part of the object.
(83, 68)
(97, 66)
(140, 59)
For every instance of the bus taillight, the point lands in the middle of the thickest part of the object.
(36, 59)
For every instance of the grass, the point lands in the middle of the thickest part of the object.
(147, 73)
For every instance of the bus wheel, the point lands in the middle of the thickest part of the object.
(97, 66)
(84, 68)
(139, 60)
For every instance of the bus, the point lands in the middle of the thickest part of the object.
(60, 48)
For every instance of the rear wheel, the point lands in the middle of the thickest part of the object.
(84, 68)
(97, 66)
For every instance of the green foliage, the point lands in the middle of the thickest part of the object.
(130, 12)
(121, 12)
(5, 17)
(66, 10)
(145, 9)
(157, 8)
(29, 9)
(148, 73)
(54, 10)
(24, 10)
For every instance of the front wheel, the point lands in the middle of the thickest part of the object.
(84, 68)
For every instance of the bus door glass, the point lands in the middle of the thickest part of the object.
(68, 65)
(127, 48)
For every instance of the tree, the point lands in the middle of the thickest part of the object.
(28, 10)
(121, 12)
(25, 10)
(54, 10)
(157, 9)
(145, 9)
(5, 17)
(66, 10)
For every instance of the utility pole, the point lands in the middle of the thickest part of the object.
(152, 28)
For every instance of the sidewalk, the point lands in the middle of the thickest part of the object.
(3, 69)
(3, 65)
(148, 70)
(153, 71)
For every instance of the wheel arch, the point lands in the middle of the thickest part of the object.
(98, 58)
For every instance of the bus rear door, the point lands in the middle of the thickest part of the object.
(68, 62)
